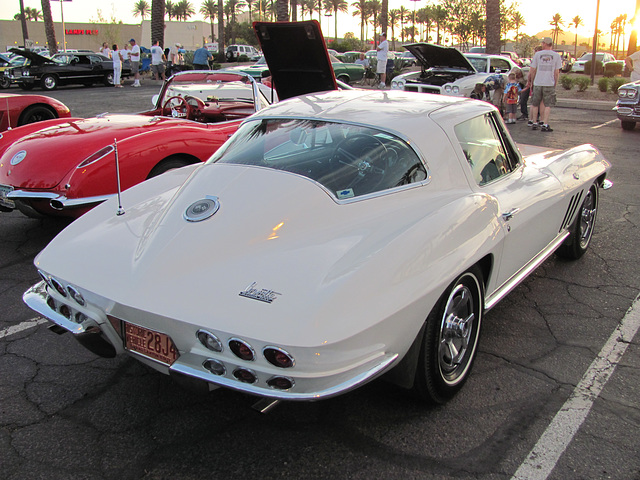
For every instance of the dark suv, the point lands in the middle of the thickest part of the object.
(84, 68)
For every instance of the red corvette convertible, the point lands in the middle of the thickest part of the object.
(17, 110)
(65, 167)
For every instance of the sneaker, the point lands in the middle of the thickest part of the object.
(381, 86)
(546, 128)
(534, 126)
(522, 117)
(529, 123)
(136, 85)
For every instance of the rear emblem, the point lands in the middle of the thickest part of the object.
(18, 157)
(262, 294)
(202, 209)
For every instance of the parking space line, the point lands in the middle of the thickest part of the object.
(554, 441)
(7, 332)
(604, 124)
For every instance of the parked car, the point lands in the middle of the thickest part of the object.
(445, 70)
(234, 52)
(65, 167)
(6, 62)
(63, 69)
(408, 59)
(578, 65)
(513, 56)
(567, 60)
(628, 105)
(351, 241)
(17, 110)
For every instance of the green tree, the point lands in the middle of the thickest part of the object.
(209, 9)
(336, 6)
(373, 12)
(518, 22)
(556, 22)
(440, 17)
(394, 19)
(141, 9)
(404, 15)
(169, 9)
(184, 9)
(360, 10)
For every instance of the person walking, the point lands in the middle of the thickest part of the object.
(134, 55)
(201, 59)
(543, 77)
(383, 52)
(117, 65)
(157, 61)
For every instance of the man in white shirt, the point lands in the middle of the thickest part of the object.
(383, 50)
(543, 77)
(157, 61)
(135, 62)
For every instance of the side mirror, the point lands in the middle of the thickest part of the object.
(154, 100)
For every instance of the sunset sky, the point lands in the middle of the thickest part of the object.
(537, 13)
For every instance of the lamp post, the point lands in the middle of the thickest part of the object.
(413, 30)
(328, 15)
(595, 46)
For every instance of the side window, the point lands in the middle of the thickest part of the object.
(485, 149)
(499, 64)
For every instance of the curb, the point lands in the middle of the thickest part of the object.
(601, 105)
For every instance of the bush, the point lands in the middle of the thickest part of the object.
(616, 83)
(612, 69)
(583, 83)
(603, 84)
(566, 81)
(599, 68)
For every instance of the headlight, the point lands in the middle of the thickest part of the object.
(629, 93)
(455, 89)
(447, 88)
(96, 156)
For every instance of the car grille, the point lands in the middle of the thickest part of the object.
(421, 88)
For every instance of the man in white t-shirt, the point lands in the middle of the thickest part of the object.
(633, 63)
(381, 56)
(157, 61)
(543, 77)
(135, 62)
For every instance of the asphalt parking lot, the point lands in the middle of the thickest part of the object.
(554, 391)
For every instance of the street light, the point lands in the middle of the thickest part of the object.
(413, 31)
(328, 15)
(595, 46)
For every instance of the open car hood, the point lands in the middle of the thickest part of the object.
(297, 57)
(435, 56)
(34, 57)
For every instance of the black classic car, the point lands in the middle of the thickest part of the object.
(67, 68)
(628, 105)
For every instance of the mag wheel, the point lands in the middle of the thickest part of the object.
(450, 339)
(49, 82)
(577, 243)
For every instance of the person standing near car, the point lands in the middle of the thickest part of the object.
(135, 62)
(157, 61)
(117, 65)
(543, 77)
(383, 52)
(201, 59)
(633, 63)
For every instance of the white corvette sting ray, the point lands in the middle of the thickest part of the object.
(336, 237)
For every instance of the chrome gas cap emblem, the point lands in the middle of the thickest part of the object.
(202, 209)
(18, 157)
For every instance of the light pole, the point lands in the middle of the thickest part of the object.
(413, 31)
(595, 46)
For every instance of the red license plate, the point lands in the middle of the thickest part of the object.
(149, 343)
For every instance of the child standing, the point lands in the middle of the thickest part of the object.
(511, 93)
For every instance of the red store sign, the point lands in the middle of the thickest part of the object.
(70, 31)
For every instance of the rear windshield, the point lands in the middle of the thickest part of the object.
(348, 160)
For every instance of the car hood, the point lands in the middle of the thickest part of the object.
(296, 56)
(34, 57)
(435, 56)
(55, 150)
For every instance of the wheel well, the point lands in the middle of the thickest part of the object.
(183, 158)
(30, 108)
(486, 267)
(344, 78)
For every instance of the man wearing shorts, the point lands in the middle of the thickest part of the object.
(543, 77)
(383, 50)
(135, 62)
(157, 61)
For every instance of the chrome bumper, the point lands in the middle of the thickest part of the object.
(58, 202)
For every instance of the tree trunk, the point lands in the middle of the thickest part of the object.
(294, 10)
(221, 51)
(23, 20)
(48, 27)
(157, 22)
(384, 16)
(493, 26)
(282, 11)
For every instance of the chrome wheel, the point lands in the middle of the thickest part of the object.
(581, 230)
(587, 218)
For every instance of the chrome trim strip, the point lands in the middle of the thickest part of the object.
(521, 274)
(184, 362)
(19, 194)
(80, 202)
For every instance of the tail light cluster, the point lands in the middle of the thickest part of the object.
(62, 308)
(244, 351)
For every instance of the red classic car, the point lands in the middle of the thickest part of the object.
(65, 167)
(17, 110)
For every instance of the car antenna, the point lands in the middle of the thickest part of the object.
(120, 209)
(8, 114)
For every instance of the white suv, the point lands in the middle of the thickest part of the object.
(234, 52)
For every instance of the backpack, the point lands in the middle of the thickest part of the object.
(512, 94)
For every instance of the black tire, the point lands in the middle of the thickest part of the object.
(344, 78)
(36, 113)
(108, 80)
(577, 243)
(450, 339)
(167, 164)
(627, 125)
(4, 82)
(49, 82)
(26, 86)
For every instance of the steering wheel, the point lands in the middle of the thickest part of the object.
(197, 108)
(365, 156)
(177, 107)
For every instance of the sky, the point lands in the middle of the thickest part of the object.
(537, 13)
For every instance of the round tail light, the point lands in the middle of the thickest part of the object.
(281, 383)
(75, 294)
(45, 278)
(242, 349)
(209, 340)
(278, 357)
(65, 311)
(245, 375)
(58, 286)
(214, 366)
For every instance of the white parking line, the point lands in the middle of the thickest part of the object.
(604, 124)
(7, 332)
(554, 441)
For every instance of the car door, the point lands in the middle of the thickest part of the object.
(529, 201)
(99, 67)
(499, 65)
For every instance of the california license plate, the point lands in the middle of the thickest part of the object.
(151, 344)
(4, 201)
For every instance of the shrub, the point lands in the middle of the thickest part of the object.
(566, 81)
(603, 84)
(612, 69)
(616, 83)
(599, 68)
(583, 83)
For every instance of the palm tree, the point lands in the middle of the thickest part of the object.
(403, 16)
(184, 10)
(576, 22)
(157, 21)
(209, 10)
(221, 49)
(518, 22)
(373, 10)
(141, 9)
(384, 14)
(360, 9)
(440, 17)
(493, 26)
(394, 19)
(232, 7)
(48, 27)
(282, 10)
(249, 3)
(556, 22)
(23, 21)
(169, 9)
(423, 16)
(336, 6)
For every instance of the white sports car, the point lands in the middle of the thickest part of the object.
(336, 237)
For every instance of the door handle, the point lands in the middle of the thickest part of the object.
(509, 215)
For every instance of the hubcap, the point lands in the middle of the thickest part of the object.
(587, 218)
(457, 329)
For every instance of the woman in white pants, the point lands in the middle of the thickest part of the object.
(117, 65)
